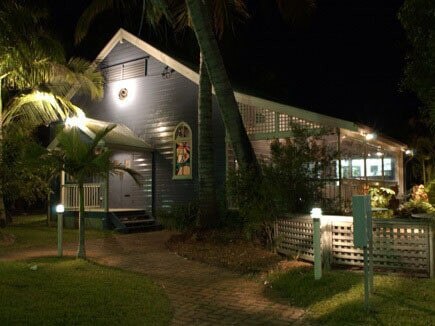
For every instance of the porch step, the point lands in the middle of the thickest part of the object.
(133, 221)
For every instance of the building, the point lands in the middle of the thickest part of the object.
(153, 98)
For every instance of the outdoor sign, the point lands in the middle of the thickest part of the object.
(360, 210)
(362, 238)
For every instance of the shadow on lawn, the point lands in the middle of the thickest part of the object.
(301, 290)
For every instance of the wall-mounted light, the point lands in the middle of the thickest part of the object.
(409, 152)
(370, 136)
(167, 72)
(123, 93)
(379, 154)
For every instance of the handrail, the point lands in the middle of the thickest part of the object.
(93, 196)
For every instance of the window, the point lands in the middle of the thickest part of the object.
(182, 152)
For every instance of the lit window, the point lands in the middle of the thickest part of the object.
(182, 152)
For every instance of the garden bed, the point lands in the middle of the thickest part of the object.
(223, 249)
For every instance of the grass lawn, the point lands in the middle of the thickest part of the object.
(338, 298)
(66, 291)
(31, 231)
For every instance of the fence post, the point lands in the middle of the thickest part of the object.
(326, 245)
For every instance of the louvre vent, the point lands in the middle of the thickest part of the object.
(126, 70)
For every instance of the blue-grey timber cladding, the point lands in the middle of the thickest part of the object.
(155, 105)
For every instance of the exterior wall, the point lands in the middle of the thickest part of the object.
(153, 108)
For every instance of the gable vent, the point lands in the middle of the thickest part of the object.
(130, 69)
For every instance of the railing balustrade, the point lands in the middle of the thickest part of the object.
(92, 196)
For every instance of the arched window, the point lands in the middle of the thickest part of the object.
(182, 152)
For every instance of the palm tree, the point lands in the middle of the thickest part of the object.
(35, 78)
(224, 13)
(81, 160)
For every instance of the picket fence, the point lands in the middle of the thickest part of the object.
(398, 245)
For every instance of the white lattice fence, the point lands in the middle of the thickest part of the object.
(296, 237)
(398, 245)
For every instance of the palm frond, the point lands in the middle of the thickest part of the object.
(95, 8)
(154, 11)
(296, 12)
(226, 13)
(39, 108)
(80, 75)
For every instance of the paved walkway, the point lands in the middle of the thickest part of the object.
(200, 294)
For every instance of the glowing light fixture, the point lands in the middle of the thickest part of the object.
(78, 121)
(316, 212)
(379, 154)
(124, 91)
(370, 136)
(60, 208)
(409, 152)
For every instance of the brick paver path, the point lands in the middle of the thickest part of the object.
(200, 294)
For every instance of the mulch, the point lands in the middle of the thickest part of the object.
(222, 249)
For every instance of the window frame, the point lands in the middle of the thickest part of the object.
(176, 140)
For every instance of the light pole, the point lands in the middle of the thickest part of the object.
(316, 214)
(59, 210)
(409, 156)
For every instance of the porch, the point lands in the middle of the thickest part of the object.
(359, 157)
(115, 201)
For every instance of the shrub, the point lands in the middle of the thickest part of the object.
(381, 198)
(290, 183)
(180, 217)
(415, 207)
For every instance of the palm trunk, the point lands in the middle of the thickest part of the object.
(81, 253)
(225, 95)
(207, 216)
(2, 203)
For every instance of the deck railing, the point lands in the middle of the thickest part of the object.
(93, 196)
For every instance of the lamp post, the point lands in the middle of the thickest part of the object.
(59, 210)
(316, 214)
(409, 156)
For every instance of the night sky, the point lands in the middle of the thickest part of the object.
(347, 62)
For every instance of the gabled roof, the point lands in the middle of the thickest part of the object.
(121, 137)
(242, 98)
(192, 75)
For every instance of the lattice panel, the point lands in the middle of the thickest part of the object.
(262, 120)
(296, 238)
(286, 123)
(402, 247)
(397, 245)
(343, 251)
(257, 120)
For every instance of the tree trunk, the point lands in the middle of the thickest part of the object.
(207, 215)
(2, 203)
(225, 95)
(81, 253)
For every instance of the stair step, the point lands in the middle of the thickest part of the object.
(141, 228)
(134, 221)
(147, 221)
